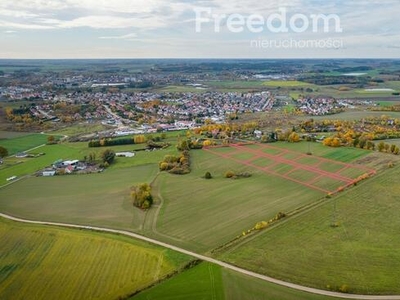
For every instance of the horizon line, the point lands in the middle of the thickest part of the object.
(205, 58)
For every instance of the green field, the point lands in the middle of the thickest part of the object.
(207, 281)
(387, 103)
(238, 85)
(229, 206)
(333, 91)
(140, 158)
(320, 173)
(200, 282)
(203, 214)
(180, 89)
(41, 262)
(97, 199)
(11, 134)
(23, 143)
(80, 129)
(361, 253)
(354, 115)
(195, 213)
(25, 166)
(393, 85)
(343, 154)
(286, 83)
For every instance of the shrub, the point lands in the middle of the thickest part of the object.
(293, 138)
(261, 225)
(153, 144)
(3, 152)
(164, 166)
(179, 170)
(207, 143)
(139, 139)
(176, 165)
(108, 156)
(280, 215)
(141, 196)
(344, 288)
(243, 175)
(233, 175)
(335, 225)
(207, 175)
(229, 174)
(183, 145)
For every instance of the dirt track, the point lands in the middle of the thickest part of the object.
(211, 260)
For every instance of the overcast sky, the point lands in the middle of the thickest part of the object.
(167, 29)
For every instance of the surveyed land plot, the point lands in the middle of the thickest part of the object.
(322, 174)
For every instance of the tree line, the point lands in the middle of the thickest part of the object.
(137, 139)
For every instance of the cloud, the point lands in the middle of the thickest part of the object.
(130, 36)
(16, 14)
(34, 5)
(117, 6)
(13, 25)
(111, 22)
(116, 14)
(373, 23)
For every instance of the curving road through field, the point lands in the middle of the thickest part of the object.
(211, 260)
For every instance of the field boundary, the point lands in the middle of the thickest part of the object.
(279, 159)
(211, 260)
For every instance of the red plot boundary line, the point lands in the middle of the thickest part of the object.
(366, 169)
(224, 155)
(300, 165)
(278, 159)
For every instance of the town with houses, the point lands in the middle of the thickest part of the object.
(111, 101)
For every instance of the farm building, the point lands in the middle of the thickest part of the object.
(70, 162)
(58, 164)
(125, 154)
(48, 173)
(21, 155)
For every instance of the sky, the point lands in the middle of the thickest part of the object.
(42, 29)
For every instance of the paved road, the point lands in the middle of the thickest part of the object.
(211, 260)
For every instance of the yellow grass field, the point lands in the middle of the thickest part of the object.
(38, 262)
